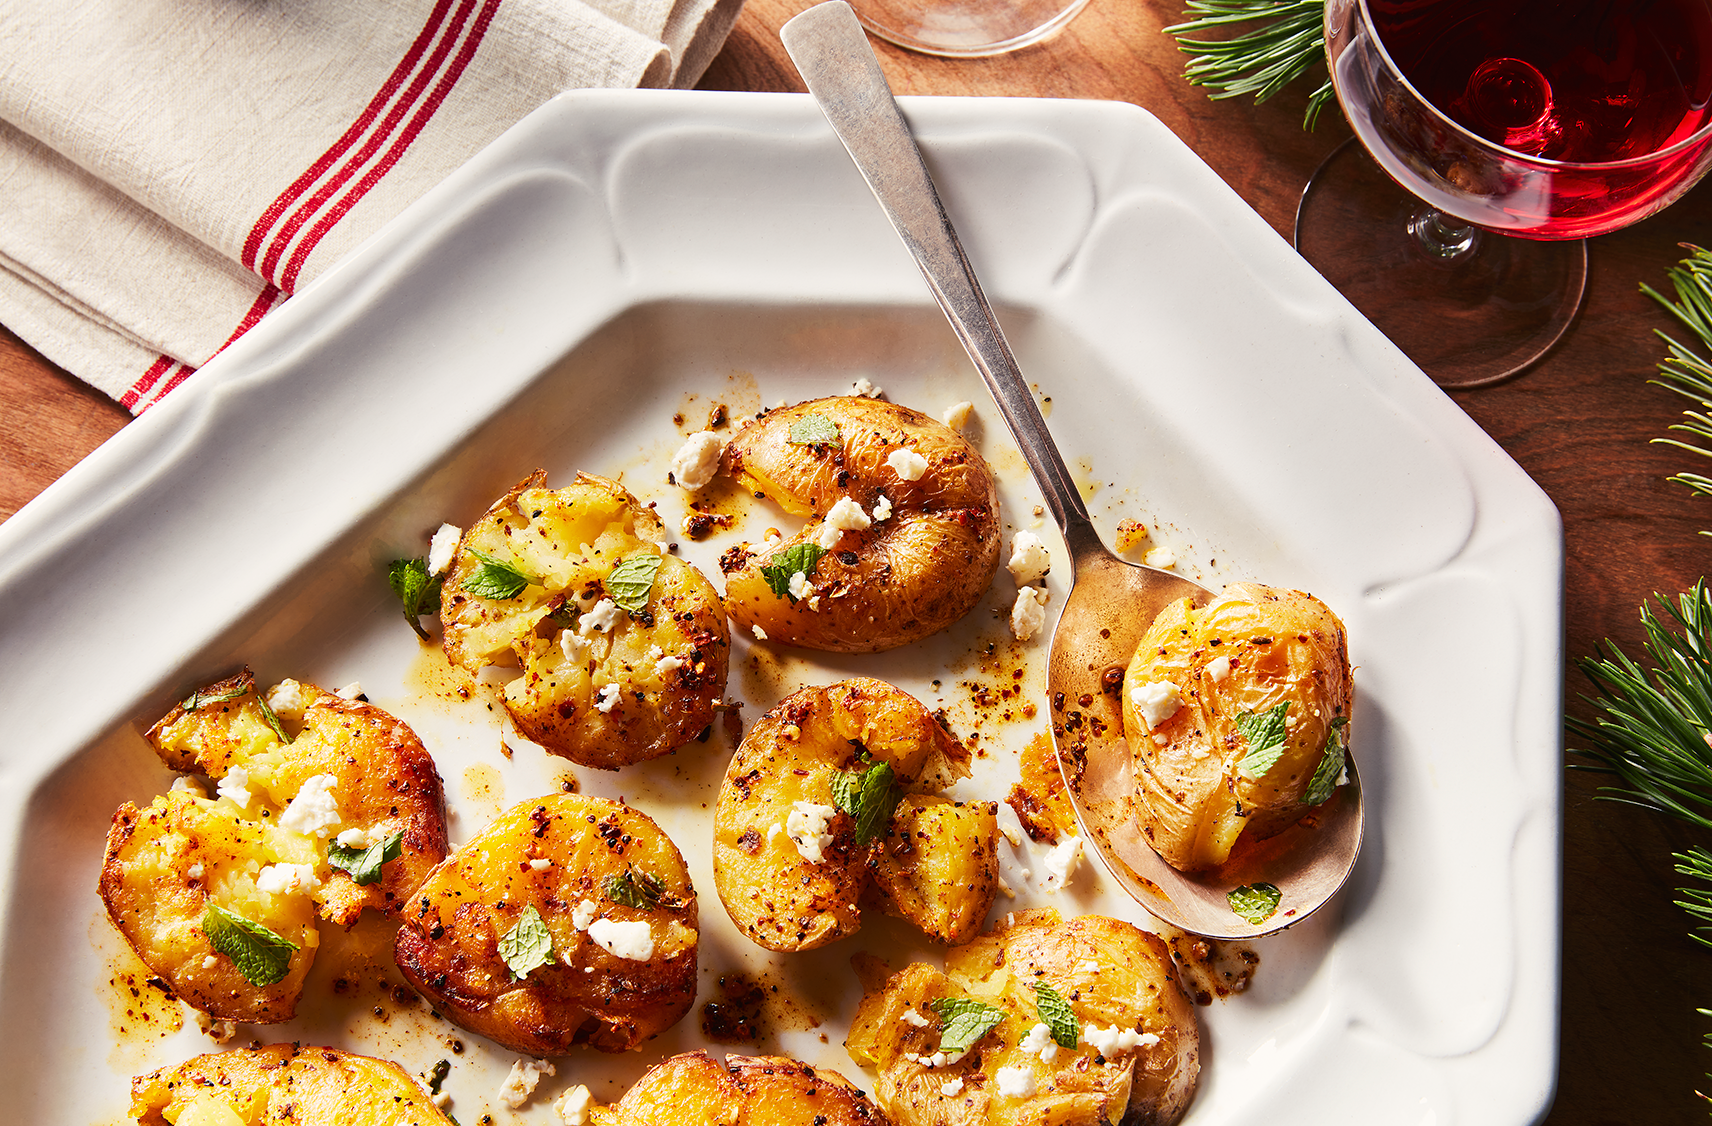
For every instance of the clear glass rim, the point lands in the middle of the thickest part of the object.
(1036, 34)
(1688, 142)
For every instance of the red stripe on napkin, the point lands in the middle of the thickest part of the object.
(140, 390)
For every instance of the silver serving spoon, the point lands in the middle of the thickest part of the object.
(1111, 602)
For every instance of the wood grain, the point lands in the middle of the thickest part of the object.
(1580, 424)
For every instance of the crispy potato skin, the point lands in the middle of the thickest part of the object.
(1111, 972)
(448, 944)
(938, 865)
(387, 781)
(773, 893)
(1282, 646)
(1039, 798)
(287, 1083)
(898, 581)
(746, 1091)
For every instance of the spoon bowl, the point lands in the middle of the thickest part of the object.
(1111, 602)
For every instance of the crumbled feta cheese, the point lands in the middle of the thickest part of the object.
(1011, 835)
(441, 1099)
(443, 548)
(667, 663)
(1110, 1041)
(1165, 741)
(633, 941)
(195, 871)
(1015, 1082)
(521, 1082)
(354, 838)
(218, 1031)
(883, 509)
(799, 585)
(807, 828)
(774, 830)
(845, 516)
(185, 784)
(939, 1059)
(772, 539)
(1039, 1042)
(1028, 613)
(283, 879)
(351, 691)
(540, 863)
(1087, 966)
(572, 646)
(1029, 559)
(286, 700)
(952, 1088)
(607, 699)
(957, 414)
(603, 617)
(1157, 702)
(1161, 557)
(1007, 888)
(209, 961)
(572, 1107)
(760, 634)
(1219, 669)
(865, 389)
(583, 914)
(914, 1019)
(697, 462)
(907, 464)
(313, 812)
(1061, 861)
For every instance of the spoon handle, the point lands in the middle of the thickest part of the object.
(832, 54)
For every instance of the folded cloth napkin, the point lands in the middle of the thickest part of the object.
(172, 170)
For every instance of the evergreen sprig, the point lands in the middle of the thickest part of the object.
(1287, 41)
(1685, 371)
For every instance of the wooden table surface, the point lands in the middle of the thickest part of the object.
(1580, 424)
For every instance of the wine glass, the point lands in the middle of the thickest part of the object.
(965, 28)
(1504, 134)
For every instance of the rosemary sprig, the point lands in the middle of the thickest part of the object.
(1686, 372)
(1289, 41)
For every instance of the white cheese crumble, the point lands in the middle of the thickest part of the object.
(521, 1082)
(354, 838)
(1028, 613)
(572, 646)
(572, 1107)
(913, 1018)
(218, 1031)
(939, 1059)
(1039, 1042)
(633, 941)
(185, 784)
(350, 691)
(603, 617)
(957, 414)
(540, 863)
(952, 1088)
(883, 509)
(1087, 966)
(1219, 669)
(583, 914)
(1110, 1041)
(1061, 861)
(607, 700)
(807, 828)
(864, 388)
(760, 634)
(667, 663)
(443, 548)
(799, 585)
(286, 700)
(1015, 1082)
(1157, 702)
(907, 464)
(195, 871)
(845, 516)
(313, 812)
(1029, 559)
(283, 879)
(1161, 557)
(697, 461)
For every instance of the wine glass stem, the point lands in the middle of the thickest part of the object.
(1442, 236)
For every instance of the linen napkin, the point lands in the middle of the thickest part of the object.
(172, 170)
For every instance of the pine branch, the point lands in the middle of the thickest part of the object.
(1685, 371)
(1289, 41)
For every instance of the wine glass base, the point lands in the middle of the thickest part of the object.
(965, 28)
(1468, 320)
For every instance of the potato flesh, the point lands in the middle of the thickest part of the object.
(938, 865)
(905, 577)
(1192, 798)
(282, 1083)
(448, 945)
(1112, 973)
(746, 1091)
(570, 540)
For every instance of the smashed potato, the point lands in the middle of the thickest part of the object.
(569, 920)
(282, 1083)
(745, 1091)
(790, 858)
(219, 895)
(905, 534)
(1116, 1042)
(1236, 713)
(622, 648)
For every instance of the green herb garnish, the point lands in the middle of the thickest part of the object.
(1266, 736)
(633, 579)
(1256, 903)
(272, 719)
(1325, 780)
(1260, 61)
(964, 1021)
(635, 889)
(495, 578)
(364, 864)
(1055, 1013)
(868, 796)
(418, 591)
(527, 946)
(814, 430)
(802, 558)
(197, 699)
(262, 956)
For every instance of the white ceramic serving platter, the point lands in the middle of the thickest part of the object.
(619, 258)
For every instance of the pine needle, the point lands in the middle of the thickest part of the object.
(1685, 371)
(1289, 41)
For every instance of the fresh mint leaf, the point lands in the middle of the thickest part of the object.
(868, 796)
(963, 1021)
(364, 864)
(635, 889)
(633, 579)
(1055, 1013)
(495, 578)
(814, 430)
(418, 591)
(528, 945)
(802, 557)
(1325, 780)
(262, 956)
(1266, 735)
(1256, 903)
